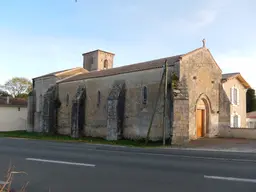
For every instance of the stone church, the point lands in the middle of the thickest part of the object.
(100, 100)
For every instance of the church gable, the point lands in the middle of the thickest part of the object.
(201, 76)
(200, 69)
(198, 59)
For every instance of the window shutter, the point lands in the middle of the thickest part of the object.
(238, 96)
(231, 120)
(231, 95)
(239, 121)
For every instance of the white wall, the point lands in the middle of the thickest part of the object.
(11, 119)
(240, 108)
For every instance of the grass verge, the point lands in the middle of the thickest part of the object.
(92, 140)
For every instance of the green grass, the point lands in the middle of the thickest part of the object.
(92, 140)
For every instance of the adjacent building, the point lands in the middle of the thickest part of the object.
(13, 114)
(233, 101)
(251, 120)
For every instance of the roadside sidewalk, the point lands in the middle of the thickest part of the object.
(220, 144)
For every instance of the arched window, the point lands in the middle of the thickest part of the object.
(105, 64)
(67, 99)
(98, 97)
(145, 95)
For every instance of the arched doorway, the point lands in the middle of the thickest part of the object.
(202, 118)
(78, 113)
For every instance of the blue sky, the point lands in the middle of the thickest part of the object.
(41, 36)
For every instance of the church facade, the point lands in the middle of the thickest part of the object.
(98, 100)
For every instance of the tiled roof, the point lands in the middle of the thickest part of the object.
(126, 69)
(251, 115)
(13, 102)
(229, 75)
(62, 71)
(237, 75)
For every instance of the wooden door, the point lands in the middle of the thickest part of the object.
(200, 122)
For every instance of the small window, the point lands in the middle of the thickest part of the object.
(98, 97)
(235, 121)
(234, 96)
(106, 64)
(145, 95)
(67, 99)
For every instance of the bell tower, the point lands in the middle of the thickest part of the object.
(98, 60)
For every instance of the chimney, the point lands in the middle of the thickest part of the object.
(8, 100)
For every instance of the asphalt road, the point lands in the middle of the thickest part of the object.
(66, 167)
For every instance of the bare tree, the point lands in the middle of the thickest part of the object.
(4, 93)
(17, 86)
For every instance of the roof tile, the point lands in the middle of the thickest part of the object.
(126, 69)
(13, 101)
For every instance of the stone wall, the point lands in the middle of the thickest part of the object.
(115, 111)
(78, 113)
(240, 133)
(137, 114)
(202, 77)
(181, 121)
(40, 88)
(224, 113)
(94, 60)
(180, 114)
(49, 112)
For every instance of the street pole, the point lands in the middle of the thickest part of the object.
(165, 100)
(154, 110)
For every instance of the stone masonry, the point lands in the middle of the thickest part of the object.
(115, 111)
(119, 102)
(136, 114)
(202, 76)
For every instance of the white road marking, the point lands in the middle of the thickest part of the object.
(61, 162)
(231, 179)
